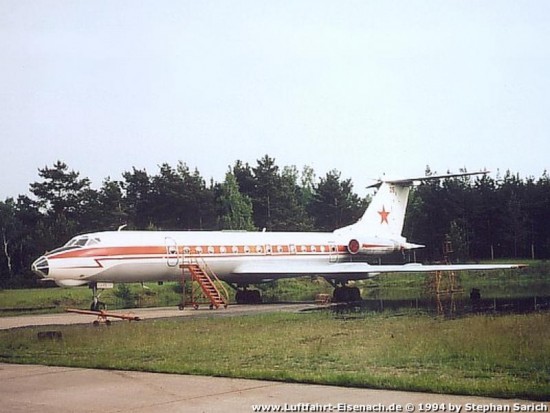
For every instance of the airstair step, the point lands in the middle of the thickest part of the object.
(205, 278)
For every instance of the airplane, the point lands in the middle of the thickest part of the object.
(242, 258)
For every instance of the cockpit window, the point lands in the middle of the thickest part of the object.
(73, 242)
(77, 242)
(82, 241)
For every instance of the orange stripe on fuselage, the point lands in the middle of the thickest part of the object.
(205, 250)
(110, 251)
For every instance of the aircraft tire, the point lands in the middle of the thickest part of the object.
(346, 294)
(239, 297)
(354, 294)
(339, 295)
(248, 297)
(256, 297)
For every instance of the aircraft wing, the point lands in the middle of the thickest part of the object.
(356, 269)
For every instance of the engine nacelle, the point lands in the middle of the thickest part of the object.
(376, 246)
(356, 246)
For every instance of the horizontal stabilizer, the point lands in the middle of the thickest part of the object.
(411, 181)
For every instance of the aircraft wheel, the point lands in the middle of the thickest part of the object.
(96, 323)
(97, 306)
(108, 322)
(354, 294)
(339, 295)
(181, 307)
(255, 297)
(248, 297)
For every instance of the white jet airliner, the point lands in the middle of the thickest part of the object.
(245, 258)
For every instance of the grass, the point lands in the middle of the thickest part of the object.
(48, 300)
(504, 356)
(534, 280)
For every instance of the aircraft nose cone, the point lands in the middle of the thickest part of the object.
(41, 267)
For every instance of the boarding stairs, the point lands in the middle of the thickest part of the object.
(208, 285)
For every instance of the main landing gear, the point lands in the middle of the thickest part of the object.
(345, 294)
(245, 296)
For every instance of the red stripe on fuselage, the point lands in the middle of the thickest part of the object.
(110, 251)
(205, 250)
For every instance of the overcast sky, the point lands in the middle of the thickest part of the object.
(364, 87)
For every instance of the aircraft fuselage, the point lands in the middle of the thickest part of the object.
(136, 256)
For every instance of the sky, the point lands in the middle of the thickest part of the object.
(364, 87)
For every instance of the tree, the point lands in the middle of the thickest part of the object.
(22, 240)
(334, 204)
(540, 197)
(111, 201)
(486, 218)
(137, 198)
(60, 191)
(198, 200)
(292, 213)
(307, 184)
(168, 208)
(245, 178)
(515, 238)
(267, 191)
(7, 234)
(61, 195)
(235, 208)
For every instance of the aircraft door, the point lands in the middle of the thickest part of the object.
(172, 256)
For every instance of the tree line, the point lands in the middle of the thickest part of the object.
(480, 218)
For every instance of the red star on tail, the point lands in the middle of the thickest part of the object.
(384, 215)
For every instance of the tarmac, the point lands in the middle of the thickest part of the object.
(34, 388)
(149, 314)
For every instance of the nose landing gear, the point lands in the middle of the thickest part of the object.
(96, 304)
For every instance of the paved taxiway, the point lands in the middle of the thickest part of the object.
(148, 314)
(31, 388)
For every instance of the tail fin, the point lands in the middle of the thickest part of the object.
(385, 214)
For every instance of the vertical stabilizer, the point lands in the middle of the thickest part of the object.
(385, 214)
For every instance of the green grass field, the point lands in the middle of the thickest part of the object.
(502, 356)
